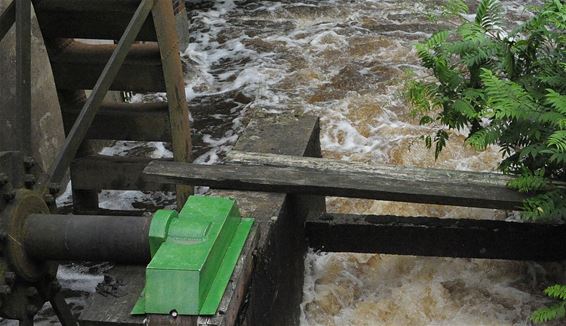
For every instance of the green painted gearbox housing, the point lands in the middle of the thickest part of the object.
(194, 253)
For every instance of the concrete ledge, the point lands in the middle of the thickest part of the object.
(275, 286)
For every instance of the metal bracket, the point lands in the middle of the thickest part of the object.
(194, 253)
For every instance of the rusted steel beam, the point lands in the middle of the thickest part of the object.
(23, 73)
(163, 18)
(7, 19)
(85, 118)
(427, 236)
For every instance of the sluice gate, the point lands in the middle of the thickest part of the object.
(235, 257)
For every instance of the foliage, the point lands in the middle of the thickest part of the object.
(555, 311)
(507, 89)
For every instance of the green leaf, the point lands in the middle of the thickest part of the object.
(556, 291)
(558, 140)
(456, 7)
(488, 14)
(466, 109)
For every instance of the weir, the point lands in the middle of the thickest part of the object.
(233, 257)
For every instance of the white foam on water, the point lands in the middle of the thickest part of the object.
(339, 60)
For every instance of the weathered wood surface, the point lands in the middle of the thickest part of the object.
(427, 236)
(288, 174)
(87, 19)
(78, 66)
(164, 21)
(7, 19)
(76, 136)
(23, 74)
(114, 308)
(274, 293)
(112, 172)
(127, 121)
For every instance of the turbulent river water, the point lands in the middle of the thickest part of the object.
(345, 61)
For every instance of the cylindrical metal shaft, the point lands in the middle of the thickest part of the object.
(120, 239)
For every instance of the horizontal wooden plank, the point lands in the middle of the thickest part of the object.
(98, 172)
(91, 24)
(78, 66)
(128, 6)
(426, 236)
(126, 121)
(335, 178)
(104, 309)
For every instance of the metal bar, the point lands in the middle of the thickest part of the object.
(428, 236)
(121, 239)
(85, 118)
(23, 73)
(164, 21)
(7, 19)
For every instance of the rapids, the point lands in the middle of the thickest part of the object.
(345, 61)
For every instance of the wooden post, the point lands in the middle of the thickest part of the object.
(163, 19)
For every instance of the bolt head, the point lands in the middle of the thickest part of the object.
(5, 289)
(54, 188)
(49, 199)
(29, 180)
(55, 286)
(10, 277)
(9, 196)
(31, 292)
(29, 162)
(31, 310)
(3, 179)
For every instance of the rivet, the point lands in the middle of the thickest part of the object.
(49, 199)
(3, 179)
(29, 162)
(9, 196)
(29, 180)
(5, 289)
(54, 188)
(31, 292)
(31, 310)
(10, 277)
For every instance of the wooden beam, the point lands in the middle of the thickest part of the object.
(7, 19)
(97, 172)
(105, 25)
(23, 73)
(164, 21)
(79, 65)
(325, 177)
(126, 121)
(427, 236)
(80, 128)
(127, 6)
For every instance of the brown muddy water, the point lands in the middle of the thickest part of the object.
(345, 61)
